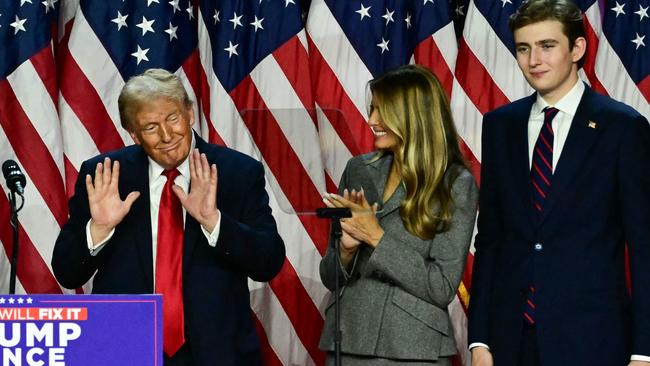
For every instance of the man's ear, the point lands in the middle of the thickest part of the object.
(579, 49)
(190, 113)
(133, 135)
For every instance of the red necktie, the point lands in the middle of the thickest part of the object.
(169, 265)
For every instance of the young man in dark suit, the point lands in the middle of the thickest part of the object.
(176, 232)
(564, 186)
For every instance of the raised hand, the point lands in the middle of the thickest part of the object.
(106, 207)
(349, 245)
(363, 225)
(201, 202)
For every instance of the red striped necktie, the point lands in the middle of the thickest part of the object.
(169, 265)
(541, 172)
(541, 176)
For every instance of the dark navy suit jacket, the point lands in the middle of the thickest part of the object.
(218, 319)
(599, 201)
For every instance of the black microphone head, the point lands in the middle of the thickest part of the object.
(15, 178)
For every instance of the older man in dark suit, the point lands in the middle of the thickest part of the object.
(176, 231)
(564, 186)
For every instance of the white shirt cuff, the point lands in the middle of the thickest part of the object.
(640, 358)
(214, 235)
(94, 249)
(478, 344)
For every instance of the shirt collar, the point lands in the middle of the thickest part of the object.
(567, 104)
(155, 170)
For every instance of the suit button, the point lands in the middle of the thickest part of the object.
(538, 247)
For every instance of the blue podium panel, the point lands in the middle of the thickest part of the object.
(80, 330)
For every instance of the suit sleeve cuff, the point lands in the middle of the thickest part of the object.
(479, 344)
(94, 249)
(214, 235)
(640, 358)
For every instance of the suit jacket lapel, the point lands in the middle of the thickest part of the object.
(582, 136)
(394, 202)
(378, 171)
(517, 141)
(137, 165)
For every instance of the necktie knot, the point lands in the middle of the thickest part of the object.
(171, 174)
(549, 114)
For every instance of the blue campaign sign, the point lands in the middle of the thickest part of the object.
(80, 330)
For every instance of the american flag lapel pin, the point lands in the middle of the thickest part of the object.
(592, 124)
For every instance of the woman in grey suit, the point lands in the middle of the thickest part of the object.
(403, 251)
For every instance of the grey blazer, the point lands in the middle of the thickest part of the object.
(394, 298)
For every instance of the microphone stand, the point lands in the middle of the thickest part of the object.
(14, 227)
(336, 214)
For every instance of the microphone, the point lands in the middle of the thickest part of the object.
(15, 178)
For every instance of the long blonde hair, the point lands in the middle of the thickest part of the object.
(413, 105)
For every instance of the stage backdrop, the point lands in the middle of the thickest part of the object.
(281, 80)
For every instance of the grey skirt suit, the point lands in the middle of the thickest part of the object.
(394, 297)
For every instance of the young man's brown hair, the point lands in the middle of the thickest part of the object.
(564, 11)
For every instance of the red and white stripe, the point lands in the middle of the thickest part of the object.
(30, 134)
(269, 115)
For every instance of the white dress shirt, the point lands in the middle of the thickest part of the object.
(561, 124)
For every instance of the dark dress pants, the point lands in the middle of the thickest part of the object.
(529, 351)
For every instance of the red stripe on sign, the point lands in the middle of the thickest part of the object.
(268, 354)
(305, 317)
(344, 116)
(32, 153)
(428, 54)
(86, 103)
(32, 272)
(589, 66)
(281, 159)
(44, 65)
(294, 62)
(477, 81)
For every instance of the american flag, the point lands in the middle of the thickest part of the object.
(291, 94)
(30, 133)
